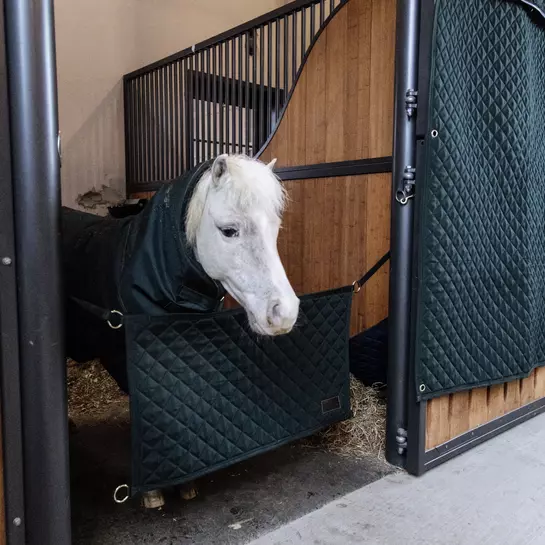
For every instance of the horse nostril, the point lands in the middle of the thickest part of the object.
(276, 310)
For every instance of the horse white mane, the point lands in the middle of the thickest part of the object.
(249, 184)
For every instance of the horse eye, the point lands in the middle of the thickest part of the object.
(229, 232)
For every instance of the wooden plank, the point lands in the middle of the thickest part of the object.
(357, 103)
(316, 112)
(377, 230)
(297, 126)
(459, 413)
(381, 113)
(337, 67)
(437, 422)
(539, 386)
(512, 395)
(478, 407)
(527, 389)
(496, 402)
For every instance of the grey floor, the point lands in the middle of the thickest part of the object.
(234, 506)
(493, 495)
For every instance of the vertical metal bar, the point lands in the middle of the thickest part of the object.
(322, 12)
(31, 72)
(303, 33)
(162, 124)
(170, 120)
(216, 81)
(146, 101)
(177, 117)
(221, 99)
(255, 108)
(402, 230)
(277, 74)
(155, 123)
(189, 108)
(294, 67)
(285, 58)
(202, 98)
(129, 131)
(182, 108)
(269, 79)
(240, 89)
(209, 105)
(262, 127)
(227, 99)
(331, 6)
(197, 133)
(137, 141)
(10, 369)
(312, 21)
(234, 96)
(247, 95)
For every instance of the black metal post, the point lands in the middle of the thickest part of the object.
(222, 103)
(408, 13)
(36, 181)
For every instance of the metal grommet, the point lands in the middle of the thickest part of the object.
(422, 387)
(120, 325)
(7, 261)
(118, 490)
(356, 286)
(434, 133)
(17, 521)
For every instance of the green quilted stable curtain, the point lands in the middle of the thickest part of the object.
(481, 302)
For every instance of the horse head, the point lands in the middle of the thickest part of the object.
(232, 223)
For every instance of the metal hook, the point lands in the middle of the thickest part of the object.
(118, 490)
(120, 325)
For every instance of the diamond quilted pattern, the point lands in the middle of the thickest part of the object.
(482, 267)
(205, 392)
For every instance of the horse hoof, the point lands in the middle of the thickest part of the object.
(153, 499)
(188, 492)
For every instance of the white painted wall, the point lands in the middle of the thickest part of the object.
(100, 40)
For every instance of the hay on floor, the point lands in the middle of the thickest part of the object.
(92, 392)
(362, 435)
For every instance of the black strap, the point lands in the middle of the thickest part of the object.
(372, 271)
(113, 317)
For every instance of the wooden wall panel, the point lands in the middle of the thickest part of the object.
(333, 231)
(452, 415)
(342, 106)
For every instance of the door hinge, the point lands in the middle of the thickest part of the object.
(411, 102)
(407, 188)
(401, 440)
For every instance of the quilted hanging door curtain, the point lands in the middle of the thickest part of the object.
(206, 393)
(481, 297)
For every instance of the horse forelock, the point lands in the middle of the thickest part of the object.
(249, 184)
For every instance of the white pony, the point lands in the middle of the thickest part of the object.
(232, 222)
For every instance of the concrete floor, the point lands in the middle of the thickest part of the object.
(234, 506)
(493, 495)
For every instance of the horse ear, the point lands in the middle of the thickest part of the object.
(272, 163)
(219, 168)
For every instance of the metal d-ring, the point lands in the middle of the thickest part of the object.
(118, 490)
(356, 286)
(117, 313)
